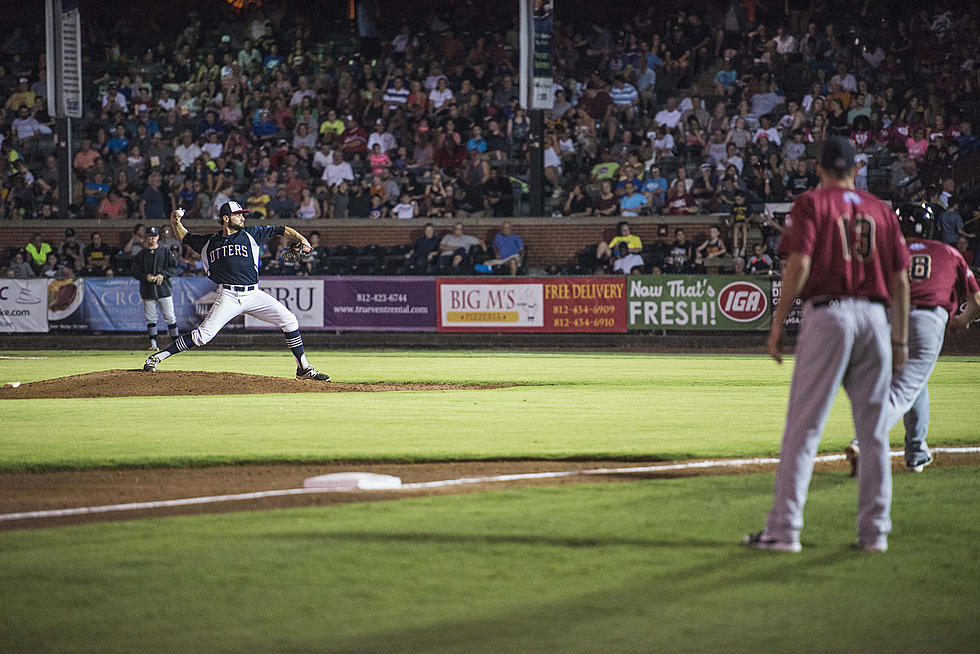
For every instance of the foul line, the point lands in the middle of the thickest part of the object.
(212, 499)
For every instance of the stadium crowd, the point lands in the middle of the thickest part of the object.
(715, 108)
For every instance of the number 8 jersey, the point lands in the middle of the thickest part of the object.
(853, 240)
(939, 275)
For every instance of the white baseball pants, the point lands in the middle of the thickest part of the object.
(231, 304)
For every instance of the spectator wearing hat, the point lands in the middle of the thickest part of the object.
(22, 97)
(354, 140)
(383, 137)
(113, 101)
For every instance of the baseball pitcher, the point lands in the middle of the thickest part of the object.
(231, 260)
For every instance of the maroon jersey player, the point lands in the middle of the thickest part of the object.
(940, 279)
(847, 260)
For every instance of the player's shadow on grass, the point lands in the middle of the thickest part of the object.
(502, 539)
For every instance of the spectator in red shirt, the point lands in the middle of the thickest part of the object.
(354, 140)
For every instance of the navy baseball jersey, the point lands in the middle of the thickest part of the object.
(233, 259)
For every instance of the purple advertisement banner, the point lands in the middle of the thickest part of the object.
(405, 304)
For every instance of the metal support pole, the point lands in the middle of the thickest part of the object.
(536, 153)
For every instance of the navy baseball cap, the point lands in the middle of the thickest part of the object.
(837, 155)
(228, 208)
(152, 231)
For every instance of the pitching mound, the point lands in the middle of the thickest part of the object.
(136, 383)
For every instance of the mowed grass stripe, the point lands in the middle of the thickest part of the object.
(649, 407)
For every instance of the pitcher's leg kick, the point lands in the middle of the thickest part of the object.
(231, 304)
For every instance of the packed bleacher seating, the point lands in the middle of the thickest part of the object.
(713, 110)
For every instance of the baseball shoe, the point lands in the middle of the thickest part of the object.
(760, 542)
(312, 373)
(853, 452)
(153, 347)
(151, 363)
(877, 546)
(919, 467)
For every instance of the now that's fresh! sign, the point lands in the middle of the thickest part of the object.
(697, 302)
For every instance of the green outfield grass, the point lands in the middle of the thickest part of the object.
(637, 567)
(579, 405)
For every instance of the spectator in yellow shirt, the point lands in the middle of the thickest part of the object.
(38, 251)
(332, 124)
(632, 241)
(258, 201)
(22, 97)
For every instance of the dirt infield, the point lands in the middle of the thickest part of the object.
(136, 383)
(57, 490)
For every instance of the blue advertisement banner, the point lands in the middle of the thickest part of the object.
(114, 305)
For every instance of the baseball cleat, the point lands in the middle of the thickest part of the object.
(853, 452)
(760, 542)
(151, 363)
(919, 467)
(880, 545)
(312, 373)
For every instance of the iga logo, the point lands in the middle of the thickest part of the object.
(742, 302)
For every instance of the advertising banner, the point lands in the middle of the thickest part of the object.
(301, 295)
(536, 78)
(563, 304)
(71, 60)
(405, 304)
(795, 316)
(114, 305)
(695, 302)
(542, 74)
(23, 305)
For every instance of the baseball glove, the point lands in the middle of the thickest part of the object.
(294, 253)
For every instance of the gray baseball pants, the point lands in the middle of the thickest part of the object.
(909, 394)
(910, 388)
(846, 342)
(166, 305)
